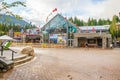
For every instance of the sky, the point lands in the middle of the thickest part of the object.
(38, 10)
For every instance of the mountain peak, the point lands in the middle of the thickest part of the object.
(12, 20)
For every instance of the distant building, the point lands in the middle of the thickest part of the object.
(95, 36)
(32, 35)
(60, 30)
(29, 35)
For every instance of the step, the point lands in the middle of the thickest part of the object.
(21, 56)
(18, 62)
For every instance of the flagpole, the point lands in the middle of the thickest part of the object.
(49, 23)
(54, 10)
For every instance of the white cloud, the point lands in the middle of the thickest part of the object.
(37, 10)
(111, 7)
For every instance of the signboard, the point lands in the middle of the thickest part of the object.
(53, 38)
(32, 31)
(62, 39)
(58, 38)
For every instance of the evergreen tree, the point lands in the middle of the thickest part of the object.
(100, 22)
(116, 18)
(81, 23)
(89, 22)
(92, 22)
(75, 20)
(108, 22)
(5, 9)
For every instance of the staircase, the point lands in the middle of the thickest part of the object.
(18, 58)
(22, 59)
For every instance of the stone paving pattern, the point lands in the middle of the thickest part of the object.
(69, 64)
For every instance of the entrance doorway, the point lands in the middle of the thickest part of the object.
(70, 42)
(99, 42)
(81, 41)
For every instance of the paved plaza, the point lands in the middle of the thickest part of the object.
(69, 64)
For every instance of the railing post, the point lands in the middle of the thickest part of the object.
(1, 50)
(12, 55)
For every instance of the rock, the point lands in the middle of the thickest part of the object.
(28, 50)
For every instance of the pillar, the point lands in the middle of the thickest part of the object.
(109, 42)
(103, 42)
(75, 42)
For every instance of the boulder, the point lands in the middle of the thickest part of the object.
(28, 50)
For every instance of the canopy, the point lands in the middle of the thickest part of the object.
(6, 37)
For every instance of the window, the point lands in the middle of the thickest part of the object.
(91, 41)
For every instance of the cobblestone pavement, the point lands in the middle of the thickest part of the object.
(69, 64)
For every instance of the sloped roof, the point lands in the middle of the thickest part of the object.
(105, 27)
(57, 21)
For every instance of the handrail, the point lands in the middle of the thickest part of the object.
(9, 49)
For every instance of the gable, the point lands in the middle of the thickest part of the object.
(57, 22)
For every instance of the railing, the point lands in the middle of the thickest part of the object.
(2, 49)
(39, 45)
(12, 53)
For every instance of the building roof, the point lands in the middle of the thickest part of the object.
(57, 22)
(105, 27)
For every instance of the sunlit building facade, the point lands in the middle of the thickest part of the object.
(59, 30)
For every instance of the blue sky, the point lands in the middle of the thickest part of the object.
(37, 10)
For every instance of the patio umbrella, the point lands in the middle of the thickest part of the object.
(6, 37)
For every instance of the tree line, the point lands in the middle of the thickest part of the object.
(4, 28)
(92, 21)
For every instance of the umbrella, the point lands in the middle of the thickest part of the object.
(6, 37)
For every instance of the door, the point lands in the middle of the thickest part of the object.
(99, 42)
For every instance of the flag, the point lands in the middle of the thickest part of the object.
(54, 10)
(93, 29)
(51, 14)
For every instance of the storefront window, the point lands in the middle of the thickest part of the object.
(91, 41)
